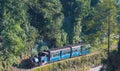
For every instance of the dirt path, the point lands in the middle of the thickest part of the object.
(96, 68)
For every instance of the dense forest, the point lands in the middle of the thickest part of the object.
(30, 26)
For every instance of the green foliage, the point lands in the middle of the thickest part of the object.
(14, 17)
(34, 52)
(44, 48)
(74, 12)
(55, 22)
(81, 10)
(49, 25)
(96, 27)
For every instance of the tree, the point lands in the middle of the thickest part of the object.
(16, 31)
(81, 11)
(118, 21)
(47, 18)
(74, 12)
(95, 28)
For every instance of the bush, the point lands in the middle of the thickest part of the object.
(34, 52)
(44, 48)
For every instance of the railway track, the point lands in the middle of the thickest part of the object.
(17, 69)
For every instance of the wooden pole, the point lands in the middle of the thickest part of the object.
(108, 40)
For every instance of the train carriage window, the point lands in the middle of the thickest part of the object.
(75, 49)
(65, 52)
(55, 54)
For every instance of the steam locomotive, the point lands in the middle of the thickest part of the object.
(54, 55)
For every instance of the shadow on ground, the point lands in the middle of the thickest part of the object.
(25, 64)
(112, 63)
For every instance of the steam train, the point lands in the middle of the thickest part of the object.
(54, 55)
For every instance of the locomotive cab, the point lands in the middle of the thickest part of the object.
(43, 57)
(40, 59)
(34, 60)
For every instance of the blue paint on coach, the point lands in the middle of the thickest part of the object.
(44, 59)
(55, 56)
(76, 51)
(64, 56)
(53, 59)
(85, 51)
(76, 54)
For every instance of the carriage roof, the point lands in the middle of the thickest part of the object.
(65, 48)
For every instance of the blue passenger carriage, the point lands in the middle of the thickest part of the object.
(66, 53)
(85, 49)
(55, 55)
(76, 50)
(59, 54)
